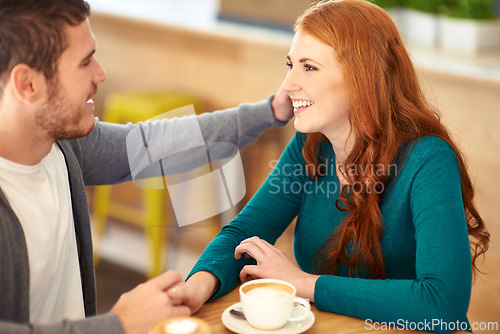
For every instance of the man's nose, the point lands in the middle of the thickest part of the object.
(100, 74)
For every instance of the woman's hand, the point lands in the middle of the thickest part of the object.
(195, 291)
(273, 263)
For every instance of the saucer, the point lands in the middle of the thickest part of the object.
(242, 326)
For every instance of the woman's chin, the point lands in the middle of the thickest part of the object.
(301, 127)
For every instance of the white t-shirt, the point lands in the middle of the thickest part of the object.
(40, 197)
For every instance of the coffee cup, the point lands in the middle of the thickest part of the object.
(181, 325)
(268, 303)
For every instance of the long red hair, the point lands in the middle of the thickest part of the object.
(387, 111)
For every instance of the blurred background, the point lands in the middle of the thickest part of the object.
(221, 53)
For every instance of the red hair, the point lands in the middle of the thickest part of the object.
(387, 111)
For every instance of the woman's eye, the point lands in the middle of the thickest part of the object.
(289, 64)
(309, 67)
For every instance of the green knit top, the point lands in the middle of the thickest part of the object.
(425, 239)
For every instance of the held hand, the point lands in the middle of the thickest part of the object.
(273, 263)
(196, 291)
(149, 303)
(282, 106)
(189, 295)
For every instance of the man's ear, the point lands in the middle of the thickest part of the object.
(28, 84)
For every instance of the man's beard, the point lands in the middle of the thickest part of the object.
(58, 119)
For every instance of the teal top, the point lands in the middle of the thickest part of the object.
(425, 241)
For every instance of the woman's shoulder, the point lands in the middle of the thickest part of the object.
(429, 150)
(426, 147)
(297, 145)
(299, 140)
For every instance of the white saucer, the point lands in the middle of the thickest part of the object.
(242, 326)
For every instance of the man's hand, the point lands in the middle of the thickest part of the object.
(282, 106)
(149, 303)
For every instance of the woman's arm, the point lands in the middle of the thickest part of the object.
(267, 215)
(440, 291)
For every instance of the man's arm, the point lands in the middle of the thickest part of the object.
(105, 159)
(134, 312)
(108, 323)
(239, 126)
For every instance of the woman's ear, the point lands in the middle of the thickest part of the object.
(28, 84)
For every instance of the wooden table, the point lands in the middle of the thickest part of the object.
(326, 322)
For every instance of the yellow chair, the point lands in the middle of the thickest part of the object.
(136, 107)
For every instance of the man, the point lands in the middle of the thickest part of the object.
(50, 148)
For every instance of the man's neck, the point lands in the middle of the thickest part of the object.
(23, 145)
(21, 140)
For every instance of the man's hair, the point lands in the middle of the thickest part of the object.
(32, 32)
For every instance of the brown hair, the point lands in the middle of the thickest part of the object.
(387, 111)
(32, 32)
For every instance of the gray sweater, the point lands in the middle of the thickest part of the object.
(101, 158)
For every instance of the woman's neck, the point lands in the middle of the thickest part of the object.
(342, 144)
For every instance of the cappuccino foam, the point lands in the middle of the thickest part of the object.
(268, 292)
(184, 326)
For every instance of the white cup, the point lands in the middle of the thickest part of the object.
(268, 303)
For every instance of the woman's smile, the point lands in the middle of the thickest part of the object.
(301, 105)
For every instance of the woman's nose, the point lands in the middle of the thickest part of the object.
(291, 84)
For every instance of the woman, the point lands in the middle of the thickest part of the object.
(382, 196)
